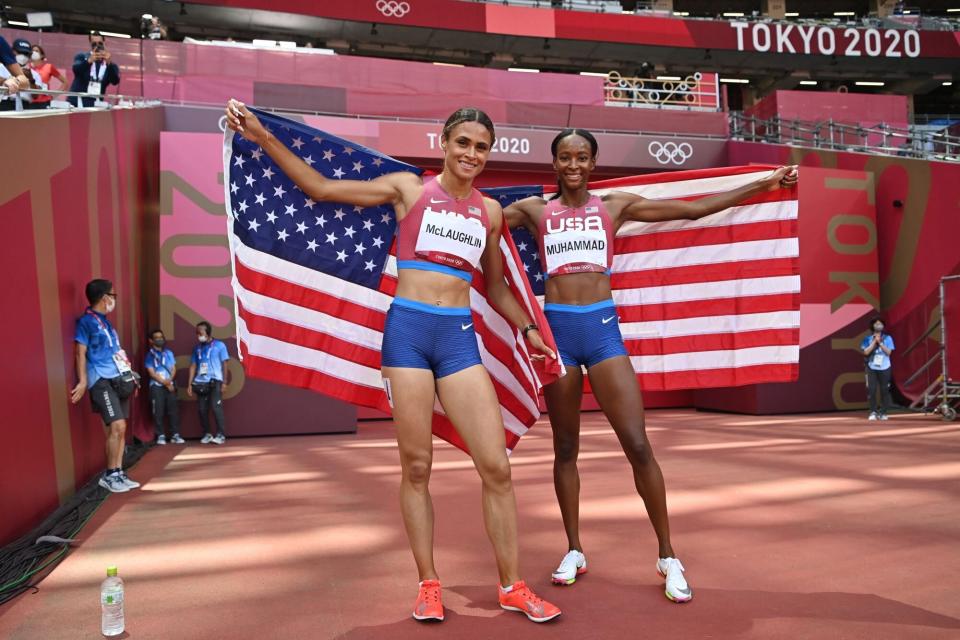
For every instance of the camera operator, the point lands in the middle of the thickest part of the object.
(93, 71)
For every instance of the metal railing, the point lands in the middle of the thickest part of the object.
(911, 142)
(105, 101)
(696, 92)
(592, 6)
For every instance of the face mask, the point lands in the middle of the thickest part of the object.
(110, 304)
(22, 59)
(878, 328)
(36, 57)
(202, 339)
(159, 343)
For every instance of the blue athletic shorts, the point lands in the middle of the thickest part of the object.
(586, 335)
(422, 336)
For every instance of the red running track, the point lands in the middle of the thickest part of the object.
(823, 526)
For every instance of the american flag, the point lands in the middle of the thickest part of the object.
(313, 281)
(703, 303)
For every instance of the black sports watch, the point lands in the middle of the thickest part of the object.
(527, 329)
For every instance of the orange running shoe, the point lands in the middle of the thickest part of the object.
(521, 598)
(428, 605)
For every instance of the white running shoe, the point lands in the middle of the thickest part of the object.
(883, 416)
(873, 416)
(112, 482)
(161, 441)
(130, 484)
(572, 565)
(176, 439)
(206, 439)
(676, 587)
(219, 439)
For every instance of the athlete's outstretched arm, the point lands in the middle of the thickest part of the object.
(640, 209)
(497, 290)
(522, 213)
(387, 189)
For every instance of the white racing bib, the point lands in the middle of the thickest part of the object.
(570, 248)
(451, 239)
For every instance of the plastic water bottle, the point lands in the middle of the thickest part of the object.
(111, 604)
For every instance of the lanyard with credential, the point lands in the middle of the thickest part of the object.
(103, 327)
(159, 360)
(94, 72)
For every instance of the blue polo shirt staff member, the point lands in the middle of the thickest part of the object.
(104, 368)
(208, 380)
(876, 348)
(161, 366)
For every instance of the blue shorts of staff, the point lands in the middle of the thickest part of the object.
(586, 334)
(422, 336)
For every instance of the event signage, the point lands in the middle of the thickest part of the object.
(782, 37)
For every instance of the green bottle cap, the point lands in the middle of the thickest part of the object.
(111, 572)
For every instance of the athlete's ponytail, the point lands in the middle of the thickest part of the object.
(583, 133)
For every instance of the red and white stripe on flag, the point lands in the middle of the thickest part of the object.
(712, 302)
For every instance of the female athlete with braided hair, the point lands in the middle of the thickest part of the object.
(575, 232)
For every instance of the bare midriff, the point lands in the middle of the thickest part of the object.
(578, 288)
(433, 288)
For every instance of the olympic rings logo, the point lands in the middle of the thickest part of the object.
(667, 152)
(393, 9)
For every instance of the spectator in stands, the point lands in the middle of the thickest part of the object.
(93, 71)
(161, 366)
(45, 69)
(876, 348)
(208, 380)
(11, 72)
(104, 368)
(20, 101)
(152, 28)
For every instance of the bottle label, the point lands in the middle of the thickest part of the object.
(111, 597)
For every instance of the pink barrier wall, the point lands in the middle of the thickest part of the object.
(854, 108)
(305, 81)
(80, 206)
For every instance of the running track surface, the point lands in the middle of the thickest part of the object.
(821, 526)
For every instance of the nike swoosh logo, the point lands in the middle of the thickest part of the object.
(432, 201)
(606, 320)
(556, 213)
(464, 327)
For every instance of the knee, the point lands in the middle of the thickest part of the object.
(416, 470)
(118, 428)
(495, 473)
(565, 450)
(639, 452)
